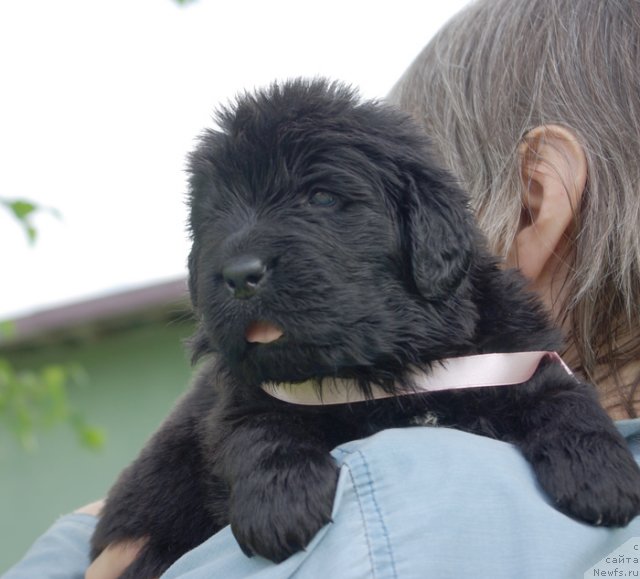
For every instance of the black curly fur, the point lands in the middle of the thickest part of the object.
(393, 275)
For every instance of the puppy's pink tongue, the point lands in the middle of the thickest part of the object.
(262, 333)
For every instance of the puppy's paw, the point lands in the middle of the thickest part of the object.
(277, 514)
(595, 479)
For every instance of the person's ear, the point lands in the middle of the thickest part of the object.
(553, 168)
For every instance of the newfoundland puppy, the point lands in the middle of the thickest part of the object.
(331, 256)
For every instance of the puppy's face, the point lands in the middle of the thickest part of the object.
(300, 266)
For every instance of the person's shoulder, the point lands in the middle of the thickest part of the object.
(462, 505)
(62, 551)
(399, 447)
(451, 465)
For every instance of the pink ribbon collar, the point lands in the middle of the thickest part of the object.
(477, 371)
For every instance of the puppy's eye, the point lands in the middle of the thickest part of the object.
(322, 199)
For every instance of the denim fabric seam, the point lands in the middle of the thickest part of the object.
(368, 480)
(364, 520)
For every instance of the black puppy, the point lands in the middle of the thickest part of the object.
(326, 244)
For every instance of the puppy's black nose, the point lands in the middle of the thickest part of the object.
(243, 275)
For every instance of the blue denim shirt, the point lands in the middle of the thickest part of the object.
(411, 503)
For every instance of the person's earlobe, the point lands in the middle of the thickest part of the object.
(554, 173)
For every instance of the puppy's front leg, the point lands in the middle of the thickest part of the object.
(579, 457)
(282, 480)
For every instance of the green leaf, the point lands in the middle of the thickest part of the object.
(92, 437)
(54, 375)
(22, 209)
(32, 401)
(7, 329)
(31, 233)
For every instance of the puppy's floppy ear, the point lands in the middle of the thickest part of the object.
(201, 174)
(440, 234)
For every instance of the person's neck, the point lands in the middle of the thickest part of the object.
(610, 395)
(612, 390)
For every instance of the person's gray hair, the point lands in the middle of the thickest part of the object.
(503, 67)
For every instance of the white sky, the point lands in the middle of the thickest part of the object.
(100, 101)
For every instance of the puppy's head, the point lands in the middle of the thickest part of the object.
(324, 241)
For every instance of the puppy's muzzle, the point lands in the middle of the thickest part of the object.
(244, 275)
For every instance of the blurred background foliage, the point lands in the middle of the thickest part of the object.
(34, 400)
(24, 211)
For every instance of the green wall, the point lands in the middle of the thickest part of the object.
(135, 376)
